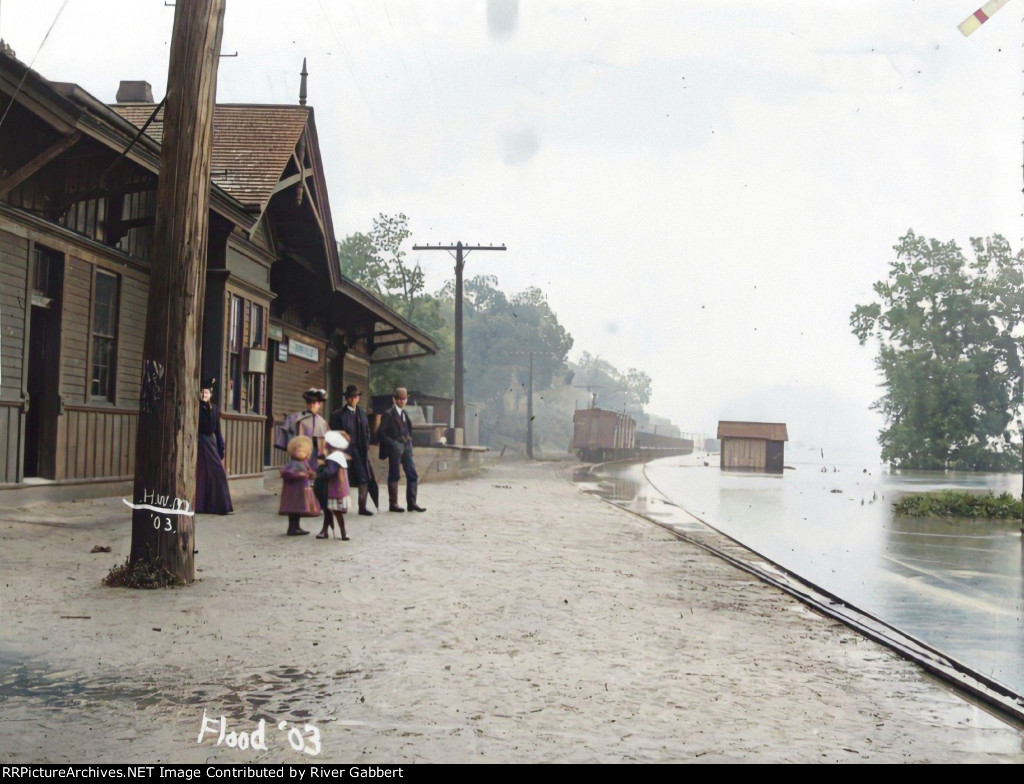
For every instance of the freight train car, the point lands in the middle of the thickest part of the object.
(600, 435)
(655, 443)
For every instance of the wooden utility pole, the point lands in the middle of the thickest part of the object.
(591, 396)
(529, 399)
(165, 446)
(461, 251)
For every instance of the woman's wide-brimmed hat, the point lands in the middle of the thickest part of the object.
(208, 383)
(313, 394)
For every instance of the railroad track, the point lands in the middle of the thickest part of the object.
(688, 527)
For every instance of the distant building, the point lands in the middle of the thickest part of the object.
(752, 446)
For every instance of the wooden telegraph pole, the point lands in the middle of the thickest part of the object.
(461, 251)
(529, 398)
(165, 446)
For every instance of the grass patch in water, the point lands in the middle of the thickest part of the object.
(953, 503)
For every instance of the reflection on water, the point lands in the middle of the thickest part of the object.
(957, 585)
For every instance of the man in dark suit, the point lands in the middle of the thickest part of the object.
(395, 436)
(351, 419)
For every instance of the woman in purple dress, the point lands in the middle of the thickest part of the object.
(212, 494)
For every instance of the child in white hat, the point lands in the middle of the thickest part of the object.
(332, 478)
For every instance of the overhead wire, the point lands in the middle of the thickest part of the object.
(32, 62)
(348, 61)
(426, 58)
(398, 50)
(392, 34)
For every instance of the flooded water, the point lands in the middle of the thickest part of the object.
(956, 585)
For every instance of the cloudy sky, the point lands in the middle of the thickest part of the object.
(703, 189)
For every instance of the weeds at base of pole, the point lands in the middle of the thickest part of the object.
(142, 574)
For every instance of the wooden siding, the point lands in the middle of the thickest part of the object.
(11, 423)
(595, 428)
(97, 442)
(278, 457)
(243, 439)
(75, 331)
(748, 453)
(100, 443)
(13, 312)
(357, 371)
(247, 268)
(131, 334)
(295, 376)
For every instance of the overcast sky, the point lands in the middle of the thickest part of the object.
(703, 189)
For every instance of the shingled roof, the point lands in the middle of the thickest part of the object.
(251, 144)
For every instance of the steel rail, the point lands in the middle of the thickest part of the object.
(991, 694)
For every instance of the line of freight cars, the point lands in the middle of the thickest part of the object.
(600, 436)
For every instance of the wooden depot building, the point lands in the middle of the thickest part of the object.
(77, 200)
(752, 446)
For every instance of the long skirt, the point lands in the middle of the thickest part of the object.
(212, 494)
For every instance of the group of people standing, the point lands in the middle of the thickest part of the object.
(311, 487)
(326, 460)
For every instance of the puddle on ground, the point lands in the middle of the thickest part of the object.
(280, 693)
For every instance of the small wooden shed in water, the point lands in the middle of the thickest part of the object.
(752, 446)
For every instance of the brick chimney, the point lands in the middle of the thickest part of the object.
(134, 92)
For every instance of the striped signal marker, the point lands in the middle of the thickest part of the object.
(979, 17)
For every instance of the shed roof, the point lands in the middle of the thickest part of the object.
(769, 431)
(251, 144)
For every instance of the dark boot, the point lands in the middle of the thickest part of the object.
(410, 497)
(328, 525)
(341, 525)
(293, 526)
(393, 498)
(364, 491)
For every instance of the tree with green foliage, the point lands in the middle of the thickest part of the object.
(377, 262)
(500, 332)
(948, 334)
(612, 389)
(360, 263)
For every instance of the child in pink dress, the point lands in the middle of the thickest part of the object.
(297, 499)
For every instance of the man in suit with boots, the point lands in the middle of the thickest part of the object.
(395, 436)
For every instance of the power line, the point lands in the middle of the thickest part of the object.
(348, 60)
(25, 75)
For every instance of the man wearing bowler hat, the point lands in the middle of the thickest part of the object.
(395, 436)
(352, 420)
